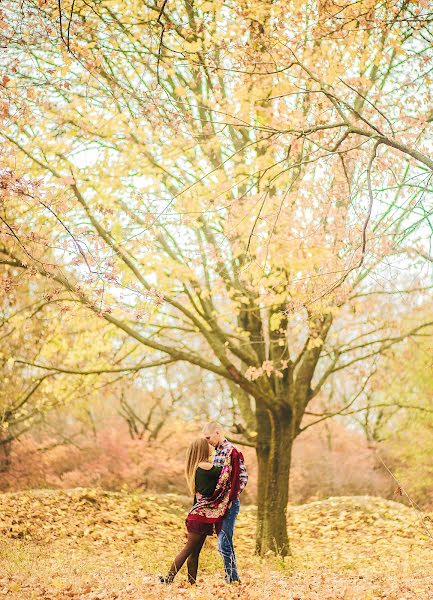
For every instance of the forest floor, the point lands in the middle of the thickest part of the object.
(89, 544)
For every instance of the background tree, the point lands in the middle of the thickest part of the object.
(393, 407)
(258, 165)
(405, 397)
(49, 357)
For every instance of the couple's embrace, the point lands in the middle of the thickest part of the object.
(216, 485)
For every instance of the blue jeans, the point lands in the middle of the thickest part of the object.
(225, 542)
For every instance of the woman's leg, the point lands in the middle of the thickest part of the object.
(194, 540)
(192, 562)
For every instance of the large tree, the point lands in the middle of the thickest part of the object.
(249, 168)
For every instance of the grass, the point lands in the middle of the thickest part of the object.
(92, 544)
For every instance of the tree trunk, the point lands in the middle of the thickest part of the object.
(5, 454)
(274, 451)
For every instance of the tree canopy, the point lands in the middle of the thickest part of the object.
(238, 186)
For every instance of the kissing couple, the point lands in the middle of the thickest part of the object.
(216, 485)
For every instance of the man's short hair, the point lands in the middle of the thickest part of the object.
(213, 426)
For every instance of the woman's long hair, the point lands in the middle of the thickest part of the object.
(197, 452)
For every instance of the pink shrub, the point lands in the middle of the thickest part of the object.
(332, 460)
(111, 460)
(327, 460)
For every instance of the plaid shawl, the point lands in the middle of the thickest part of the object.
(213, 509)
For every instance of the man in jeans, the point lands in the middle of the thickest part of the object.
(214, 434)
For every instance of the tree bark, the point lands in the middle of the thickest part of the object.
(274, 451)
(5, 460)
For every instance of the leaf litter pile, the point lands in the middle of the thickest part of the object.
(91, 544)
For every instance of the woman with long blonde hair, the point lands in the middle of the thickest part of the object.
(202, 478)
(214, 488)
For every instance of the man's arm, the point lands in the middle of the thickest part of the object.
(243, 475)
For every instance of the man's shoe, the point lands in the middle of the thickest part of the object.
(165, 579)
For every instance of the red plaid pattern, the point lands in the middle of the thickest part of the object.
(219, 458)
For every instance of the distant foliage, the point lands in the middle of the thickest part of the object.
(328, 460)
(412, 462)
(332, 460)
(110, 460)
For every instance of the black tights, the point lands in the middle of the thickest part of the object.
(190, 551)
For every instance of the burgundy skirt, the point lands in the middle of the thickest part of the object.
(203, 528)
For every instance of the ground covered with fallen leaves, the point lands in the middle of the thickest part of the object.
(91, 544)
